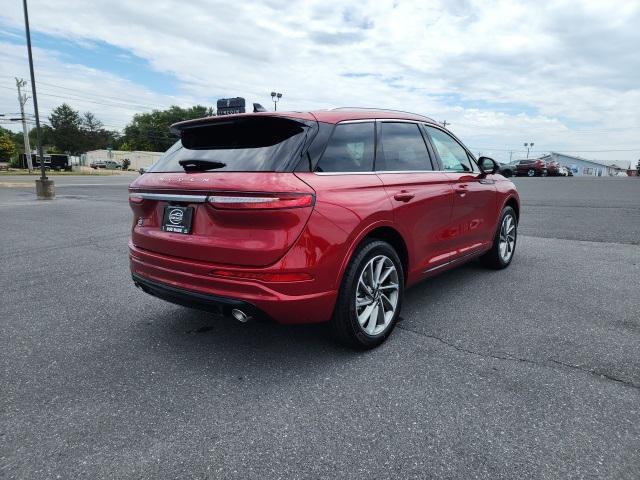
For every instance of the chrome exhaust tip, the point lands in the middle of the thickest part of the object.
(240, 315)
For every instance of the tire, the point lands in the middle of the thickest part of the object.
(531, 172)
(495, 258)
(370, 332)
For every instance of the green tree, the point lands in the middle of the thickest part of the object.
(74, 133)
(125, 146)
(7, 148)
(150, 131)
(16, 138)
(94, 134)
(66, 123)
(46, 136)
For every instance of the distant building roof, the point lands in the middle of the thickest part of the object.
(575, 157)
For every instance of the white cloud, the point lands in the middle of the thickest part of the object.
(562, 74)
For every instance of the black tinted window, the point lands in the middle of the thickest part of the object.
(403, 148)
(254, 144)
(350, 149)
(453, 156)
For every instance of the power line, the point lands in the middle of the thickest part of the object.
(123, 106)
(120, 100)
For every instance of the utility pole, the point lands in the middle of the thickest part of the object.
(22, 99)
(510, 155)
(45, 189)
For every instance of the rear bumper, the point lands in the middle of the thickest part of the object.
(188, 283)
(209, 303)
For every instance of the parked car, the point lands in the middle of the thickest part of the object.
(563, 171)
(112, 165)
(553, 168)
(313, 217)
(531, 168)
(98, 164)
(508, 169)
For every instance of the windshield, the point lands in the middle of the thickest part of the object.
(253, 144)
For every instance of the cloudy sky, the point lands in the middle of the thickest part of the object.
(564, 75)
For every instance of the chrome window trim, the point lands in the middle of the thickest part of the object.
(402, 120)
(366, 120)
(170, 197)
(394, 120)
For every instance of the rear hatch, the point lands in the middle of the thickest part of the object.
(225, 193)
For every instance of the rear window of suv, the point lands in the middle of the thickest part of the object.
(254, 144)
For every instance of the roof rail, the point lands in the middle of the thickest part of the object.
(383, 110)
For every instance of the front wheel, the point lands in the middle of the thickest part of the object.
(370, 296)
(504, 242)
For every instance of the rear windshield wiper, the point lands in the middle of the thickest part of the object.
(201, 165)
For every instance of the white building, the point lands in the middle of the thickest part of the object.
(137, 158)
(581, 166)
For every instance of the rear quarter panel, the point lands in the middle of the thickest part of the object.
(348, 206)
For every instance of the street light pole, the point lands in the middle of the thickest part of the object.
(275, 97)
(45, 189)
(528, 146)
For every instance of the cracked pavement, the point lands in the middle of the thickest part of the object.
(530, 372)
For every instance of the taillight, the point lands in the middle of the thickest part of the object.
(260, 201)
(263, 276)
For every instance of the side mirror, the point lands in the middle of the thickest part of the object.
(488, 166)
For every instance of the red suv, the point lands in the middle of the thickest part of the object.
(531, 168)
(315, 217)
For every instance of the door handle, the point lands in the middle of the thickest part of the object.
(461, 189)
(403, 196)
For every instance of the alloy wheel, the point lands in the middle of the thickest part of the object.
(507, 241)
(377, 295)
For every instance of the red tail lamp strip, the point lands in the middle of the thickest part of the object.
(260, 201)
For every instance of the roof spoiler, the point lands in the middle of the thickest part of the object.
(178, 127)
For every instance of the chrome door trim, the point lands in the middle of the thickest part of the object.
(455, 260)
(387, 171)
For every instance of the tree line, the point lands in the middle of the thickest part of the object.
(68, 131)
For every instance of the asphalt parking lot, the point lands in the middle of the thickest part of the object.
(531, 372)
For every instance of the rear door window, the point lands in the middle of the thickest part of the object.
(350, 149)
(403, 148)
(453, 156)
(253, 144)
